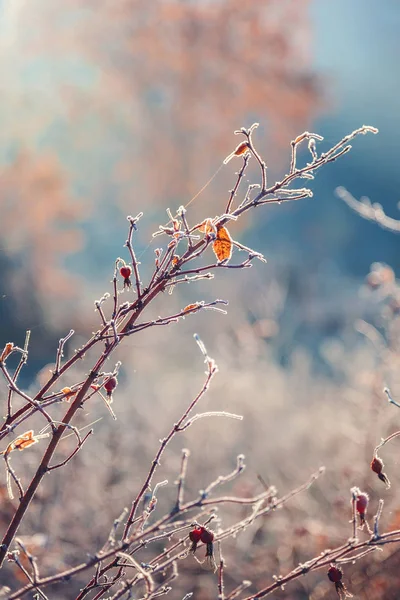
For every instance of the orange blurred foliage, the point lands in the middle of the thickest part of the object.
(177, 76)
(38, 218)
(132, 103)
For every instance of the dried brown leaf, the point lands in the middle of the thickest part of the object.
(222, 246)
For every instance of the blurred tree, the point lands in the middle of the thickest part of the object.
(134, 98)
(172, 78)
(193, 71)
(37, 219)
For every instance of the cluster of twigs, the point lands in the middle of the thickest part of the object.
(116, 568)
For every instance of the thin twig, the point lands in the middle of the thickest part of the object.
(239, 589)
(221, 586)
(13, 386)
(60, 351)
(240, 174)
(371, 212)
(377, 519)
(79, 446)
(354, 494)
(11, 474)
(181, 478)
(22, 362)
(222, 479)
(389, 397)
(133, 222)
(115, 289)
(28, 576)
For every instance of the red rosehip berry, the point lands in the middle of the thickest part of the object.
(361, 506)
(126, 273)
(201, 534)
(195, 536)
(362, 502)
(206, 536)
(377, 466)
(335, 574)
(110, 385)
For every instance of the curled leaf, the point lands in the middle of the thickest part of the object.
(222, 246)
(24, 441)
(207, 226)
(8, 348)
(241, 149)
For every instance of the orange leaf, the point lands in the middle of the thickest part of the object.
(190, 307)
(24, 441)
(241, 149)
(68, 393)
(223, 244)
(206, 226)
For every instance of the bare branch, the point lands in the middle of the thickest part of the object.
(371, 212)
(22, 362)
(60, 351)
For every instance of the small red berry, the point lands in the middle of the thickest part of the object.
(335, 574)
(195, 536)
(110, 385)
(126, 273)
(362, 503)
(207, 536)
(377, 466)
(201, 534)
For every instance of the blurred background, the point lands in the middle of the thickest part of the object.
(111, 108)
